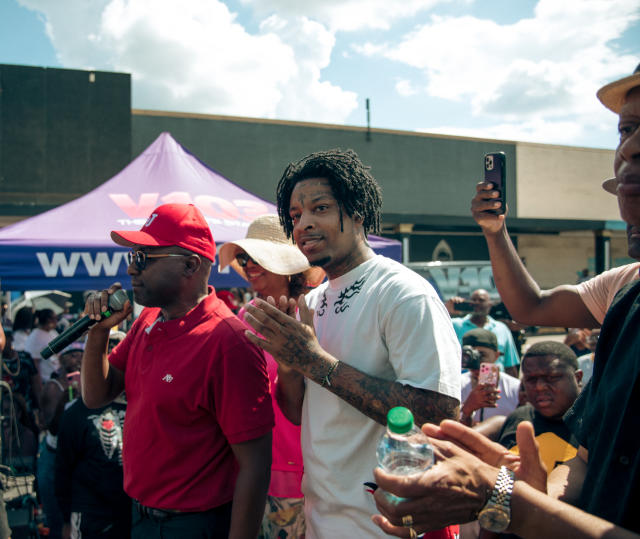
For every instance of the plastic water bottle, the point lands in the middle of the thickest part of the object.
(403, 449)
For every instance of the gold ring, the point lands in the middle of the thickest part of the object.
(412, 533)
(407, 521)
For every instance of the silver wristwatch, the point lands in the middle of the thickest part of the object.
(495, 516)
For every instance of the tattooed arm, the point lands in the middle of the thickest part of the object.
(294, 345)
(374, 397)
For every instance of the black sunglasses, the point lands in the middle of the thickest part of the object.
(139, 258)
(243, 259)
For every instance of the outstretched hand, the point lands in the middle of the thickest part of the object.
(457, 486)
(291, 342)
(452, 491)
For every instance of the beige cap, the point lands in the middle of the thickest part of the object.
(612, 96)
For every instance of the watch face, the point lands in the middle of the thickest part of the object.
(494, 518)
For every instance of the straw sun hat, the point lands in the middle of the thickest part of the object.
(613, 97)
(268, 245)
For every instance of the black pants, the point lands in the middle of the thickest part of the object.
(95, 526)
(212, 524)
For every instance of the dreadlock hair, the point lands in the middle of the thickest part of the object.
(352, 185)
(553, 349)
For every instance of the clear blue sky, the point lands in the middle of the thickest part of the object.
(522, 70)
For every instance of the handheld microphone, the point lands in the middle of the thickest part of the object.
(116, 303)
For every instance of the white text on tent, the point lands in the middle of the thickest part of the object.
(101, 264)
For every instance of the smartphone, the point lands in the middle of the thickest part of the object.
(495, 172)
(488, 374)
(464, 307)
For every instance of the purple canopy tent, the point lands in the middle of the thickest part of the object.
(69, 247)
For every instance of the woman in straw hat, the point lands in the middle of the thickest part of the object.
(275, 267)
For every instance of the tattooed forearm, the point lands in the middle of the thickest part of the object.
(374, 397)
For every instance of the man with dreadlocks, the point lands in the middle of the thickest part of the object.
(377, 337)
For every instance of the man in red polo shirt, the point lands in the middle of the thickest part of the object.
(197, 435)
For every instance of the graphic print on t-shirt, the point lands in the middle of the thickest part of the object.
(341, 305)
(109, 427)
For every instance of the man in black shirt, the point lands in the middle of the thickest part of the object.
(604, 478)
(551, 379)
(88, 478)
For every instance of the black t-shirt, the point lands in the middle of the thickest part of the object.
(557, 443)
(606, 416)
(88, 476)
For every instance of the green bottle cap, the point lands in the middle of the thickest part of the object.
(399, 420)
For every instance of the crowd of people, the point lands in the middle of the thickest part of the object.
(256, 413)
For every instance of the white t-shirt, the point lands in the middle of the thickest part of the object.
(387, 321)
(598, 293)
(37, 340)
(507, 403)
(20, 340)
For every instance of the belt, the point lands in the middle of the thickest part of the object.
(156, 514)
(166, 514)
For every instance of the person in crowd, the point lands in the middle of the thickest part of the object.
(40, 336)
(22, 326)
(275, 267)
(61, 388)
(552, 382)
(603, 479)
(480, 318)
(115, 338)
(585, 361)
(576, 339)
(88, 473)
(65, 318)
(378, 337)
(229, 300)
(19, 435)
(21, 374)
(197, 440)
(522, 395)
(500, 313)
(483, 401)
(5, 319)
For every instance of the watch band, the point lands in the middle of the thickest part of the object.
(501, 494)
(495, 516)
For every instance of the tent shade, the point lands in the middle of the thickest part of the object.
(69, 247)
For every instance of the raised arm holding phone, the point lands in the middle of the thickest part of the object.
(603, 480)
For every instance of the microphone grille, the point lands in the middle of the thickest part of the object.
(117, 300)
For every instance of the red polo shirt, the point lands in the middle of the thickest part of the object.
(194, 386)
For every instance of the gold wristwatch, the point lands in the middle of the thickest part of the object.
(495, 516)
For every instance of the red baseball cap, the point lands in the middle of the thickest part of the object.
(172, 224)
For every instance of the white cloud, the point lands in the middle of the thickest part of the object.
(538, 75)
(195, 56)
(406, 88)
(346, 15)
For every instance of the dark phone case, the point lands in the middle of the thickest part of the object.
(464, 307)
(497, 176)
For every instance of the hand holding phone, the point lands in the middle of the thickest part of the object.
(495, 173)
(488, 374)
